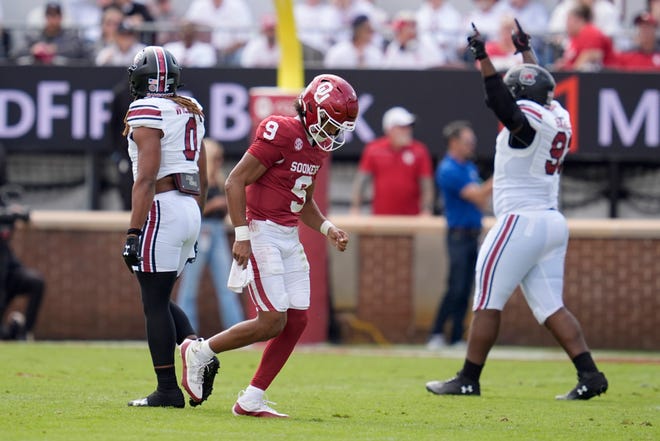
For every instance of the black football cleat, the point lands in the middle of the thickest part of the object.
(210, 371)
(173, 398)
(589, 385)
(459, 385)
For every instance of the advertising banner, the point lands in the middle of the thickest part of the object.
(615, 115)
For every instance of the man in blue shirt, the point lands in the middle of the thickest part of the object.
(465, 198)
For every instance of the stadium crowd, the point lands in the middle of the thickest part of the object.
(586, 35)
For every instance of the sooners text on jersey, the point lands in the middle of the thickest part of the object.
(281, 145)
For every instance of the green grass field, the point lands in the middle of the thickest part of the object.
(77, 391)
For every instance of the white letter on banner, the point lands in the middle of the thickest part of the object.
(78, 114)
(612, 114)
(47, 111)
(26, 113)
(362, 128)
(229, 103)
(99, 113)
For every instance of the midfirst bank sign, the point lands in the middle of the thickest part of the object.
(615, 115)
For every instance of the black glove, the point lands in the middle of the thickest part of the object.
(131, 252)
(520, 39)
(477, 44)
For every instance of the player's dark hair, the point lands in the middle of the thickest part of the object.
(298, 106)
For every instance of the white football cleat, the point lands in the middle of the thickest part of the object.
(259, 408)
(194, 364)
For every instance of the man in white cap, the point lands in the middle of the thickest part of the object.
(400, 168)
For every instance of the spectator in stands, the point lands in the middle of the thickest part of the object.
(263, 50)
(606, 16)
(378, 18)
(486, 15)
(359, 51)
(86, 16)
(189, 50)
(400, 168)
(15, 278)
(646, 54)
(123, 50)
(110, 21)
(317, 23)
(165, 20)
(212, 249)
(345, 9)
(441, 21)
(465, 198)
(36, 17)
(231, 21)
(408, 50)
(501, 49)
(588, 48)
(53, 44)
(137, 15)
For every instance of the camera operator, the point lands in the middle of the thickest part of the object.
(15, 279)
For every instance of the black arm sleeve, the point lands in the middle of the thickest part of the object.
(507, 111)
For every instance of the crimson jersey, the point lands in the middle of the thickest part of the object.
(590, 37)
(281, 145)
(638, 60)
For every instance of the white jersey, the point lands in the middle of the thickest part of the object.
(182, 134)
(527, 179)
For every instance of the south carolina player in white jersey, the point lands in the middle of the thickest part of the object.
(165, 133)
(527, 244)
(268, 192)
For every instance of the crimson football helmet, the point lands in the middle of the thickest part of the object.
(530, 82)
(329, 108)
(154, 72)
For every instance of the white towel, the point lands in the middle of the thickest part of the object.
(239, 277)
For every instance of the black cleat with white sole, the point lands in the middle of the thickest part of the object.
(173, 398)
(589, 385)
(459, 385)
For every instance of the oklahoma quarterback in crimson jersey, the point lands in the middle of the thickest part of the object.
(291, 162)
(268, 192)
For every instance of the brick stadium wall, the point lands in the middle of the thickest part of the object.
(611, 282)
(611, 285)
(89, 292)
(386, 284)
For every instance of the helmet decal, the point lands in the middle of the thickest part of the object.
(527, 77)
(322, 92)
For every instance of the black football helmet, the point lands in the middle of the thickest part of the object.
(154, 72)
(530, 82)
